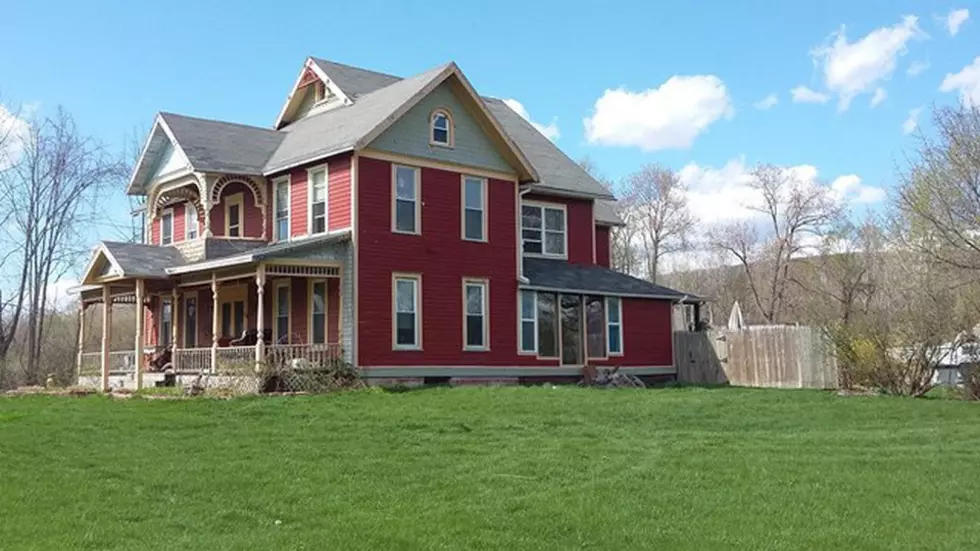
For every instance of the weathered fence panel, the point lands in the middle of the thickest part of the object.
(770, 356)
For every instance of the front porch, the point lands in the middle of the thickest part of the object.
(231, 323)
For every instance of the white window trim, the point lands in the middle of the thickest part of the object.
(163, 216)
(450, 129)
(417, 280)
(394, 199)
(191, 221)
(326, 310)
(235, 199)
(484, 193)
(484, 284)
(544, 205)
(521, 319)
(309, 198)
(289, 207)
(619, 328)
(276, 285)
(173, 314)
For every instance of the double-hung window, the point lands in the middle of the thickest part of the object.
(543, 229)
(166, 321)
(406, 211)
(191, 221)
(614, 325)
(318, 200)
(318, 311)
(281, 326)
(406, 312)
(475, 327)
(441, 129)
(190, 322)
(474, 208)
(233, 215)
(167, 227)
(281, 199)
(529, 322)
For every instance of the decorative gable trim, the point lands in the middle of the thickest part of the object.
(93, 273)
(310, 73)
(143, 163)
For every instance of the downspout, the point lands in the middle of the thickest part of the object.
(520, 238)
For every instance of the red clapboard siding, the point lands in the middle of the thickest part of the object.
(579, 224)
(602, 245)
(338, 193)
(647, 334)
(297, 202)
(155, 232)
(443, 259)
(252, 216)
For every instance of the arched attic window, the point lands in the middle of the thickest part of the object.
(441, 128)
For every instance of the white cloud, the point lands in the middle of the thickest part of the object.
(917, 68)
(967, 82)
(880, 95)
(912, 122)
(767, 102)
(955, 19)
(802, 94)
(853, 68)
(13, 131)
(59, 293)
(549, 130)
(668, 117)
(726, 194)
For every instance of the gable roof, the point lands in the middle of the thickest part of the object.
(354, 81)
(605, 213)
(133, 260)
(559, 275)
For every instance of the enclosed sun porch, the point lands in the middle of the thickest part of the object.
(275, 307)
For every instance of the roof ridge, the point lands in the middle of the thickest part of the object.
(348, 66)
(229, 123)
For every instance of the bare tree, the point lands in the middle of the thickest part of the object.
(622, 248)
(657, 199)
(794, 215)
(52, 191)
(939, 195)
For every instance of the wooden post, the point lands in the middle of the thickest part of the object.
(81, 338)
(259, 315)
(214, 322)
(174, 318)
(138, 345)
(106, 335)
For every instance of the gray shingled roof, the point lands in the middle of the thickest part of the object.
(215, 146)
(354, 81)
(557, 172)
(138, 260)
(339, 129)
(560, 275)
(605, 213)
(262, 251)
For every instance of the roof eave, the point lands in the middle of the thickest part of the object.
(546, 189)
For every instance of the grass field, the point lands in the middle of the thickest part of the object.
(485, 468)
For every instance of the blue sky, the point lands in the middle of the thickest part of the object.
(689, 74)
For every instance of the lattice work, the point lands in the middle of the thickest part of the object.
(302, 271)
(258, 191)
(186, 193)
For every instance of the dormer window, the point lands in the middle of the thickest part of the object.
(441, 128)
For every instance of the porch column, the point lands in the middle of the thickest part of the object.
(81, 338)
(259, 315)
(138, 345)
(106, 335)
(214, 322)
(173, 328)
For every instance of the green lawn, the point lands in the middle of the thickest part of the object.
(492, 468)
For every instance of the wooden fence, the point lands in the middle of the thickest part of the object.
(770, 356)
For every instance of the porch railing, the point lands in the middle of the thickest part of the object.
(91, 364)
(235, 360)
(299, 356)
(192, 360)
(123, 361)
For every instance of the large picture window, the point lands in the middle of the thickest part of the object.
(595, 327)
(406, 312)
(475, 327)
(543, 229)
(547, 325)
(406, 214)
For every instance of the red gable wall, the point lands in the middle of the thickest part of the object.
(579, 223)
(602, 245)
